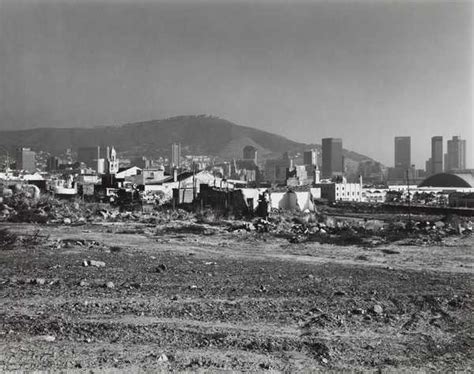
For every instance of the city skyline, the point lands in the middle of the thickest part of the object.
(363, 71)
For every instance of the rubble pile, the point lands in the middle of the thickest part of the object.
(20, 208)
(374, 232)
(327, 229)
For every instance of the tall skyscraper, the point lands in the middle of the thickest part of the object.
(436, 154)
(310, 157)
(89, 155)
(456, 155)
(176, 155)
(26, 160)
(403, 152)
(332, 157)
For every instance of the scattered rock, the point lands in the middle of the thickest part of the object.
(98, 264)
(47, 338)
(110, 284)
(161, 268)
(377, 309)
(40, 281)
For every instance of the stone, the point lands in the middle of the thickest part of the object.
(85, 263)
(163, 358)
(161, 268)
(377, 309)
(47, 338)
(40, 281)
(98, 264)
(67, 221)
(110, 284)
(83, 283)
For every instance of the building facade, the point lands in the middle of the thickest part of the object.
(310, 157)
(26, 160)
(402, 152)
(456, 155)
(89, 156)
(332, 162)
(175, 155)
(341, 191)
(436, 154)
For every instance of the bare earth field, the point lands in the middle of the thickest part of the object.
(230, 301)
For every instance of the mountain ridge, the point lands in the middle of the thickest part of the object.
(198, 134)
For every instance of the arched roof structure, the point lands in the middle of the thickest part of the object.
(449, 180)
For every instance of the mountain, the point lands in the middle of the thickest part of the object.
(197, 134)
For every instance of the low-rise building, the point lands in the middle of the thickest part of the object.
(341, 191)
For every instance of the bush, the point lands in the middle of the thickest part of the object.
(7, 239)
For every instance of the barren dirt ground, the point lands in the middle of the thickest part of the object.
(237, 301)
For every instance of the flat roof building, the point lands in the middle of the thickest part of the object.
(333, 162)
(402, 152)
(436, 154)
(26, 160)
(456, 155)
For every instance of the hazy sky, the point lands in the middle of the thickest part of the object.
(365, 71)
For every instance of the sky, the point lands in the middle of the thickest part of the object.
(365, 71)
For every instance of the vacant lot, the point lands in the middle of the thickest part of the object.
(180, 300)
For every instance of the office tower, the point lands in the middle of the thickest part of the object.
(456, 155)
(310, 157)
(403, 152)
(436, 154)
(25, 160)
(428, 166)
(88, 155)
(332, 157)
(175, 155)
(250, 153)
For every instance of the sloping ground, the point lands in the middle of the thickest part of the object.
(198, 135)
(230, 301)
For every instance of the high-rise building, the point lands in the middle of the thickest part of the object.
(310, 157)
(250, 153)
(26, 160)
(175, 155)
(332, 164)
(403, 152)
(89, 156)
(456, 155)
(436, 154)
(428, 166)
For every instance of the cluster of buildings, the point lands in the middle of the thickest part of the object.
(452, 161)
(97, 173)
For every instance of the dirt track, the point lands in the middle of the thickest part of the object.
(231, 301)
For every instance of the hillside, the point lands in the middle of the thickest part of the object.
(197, 134)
